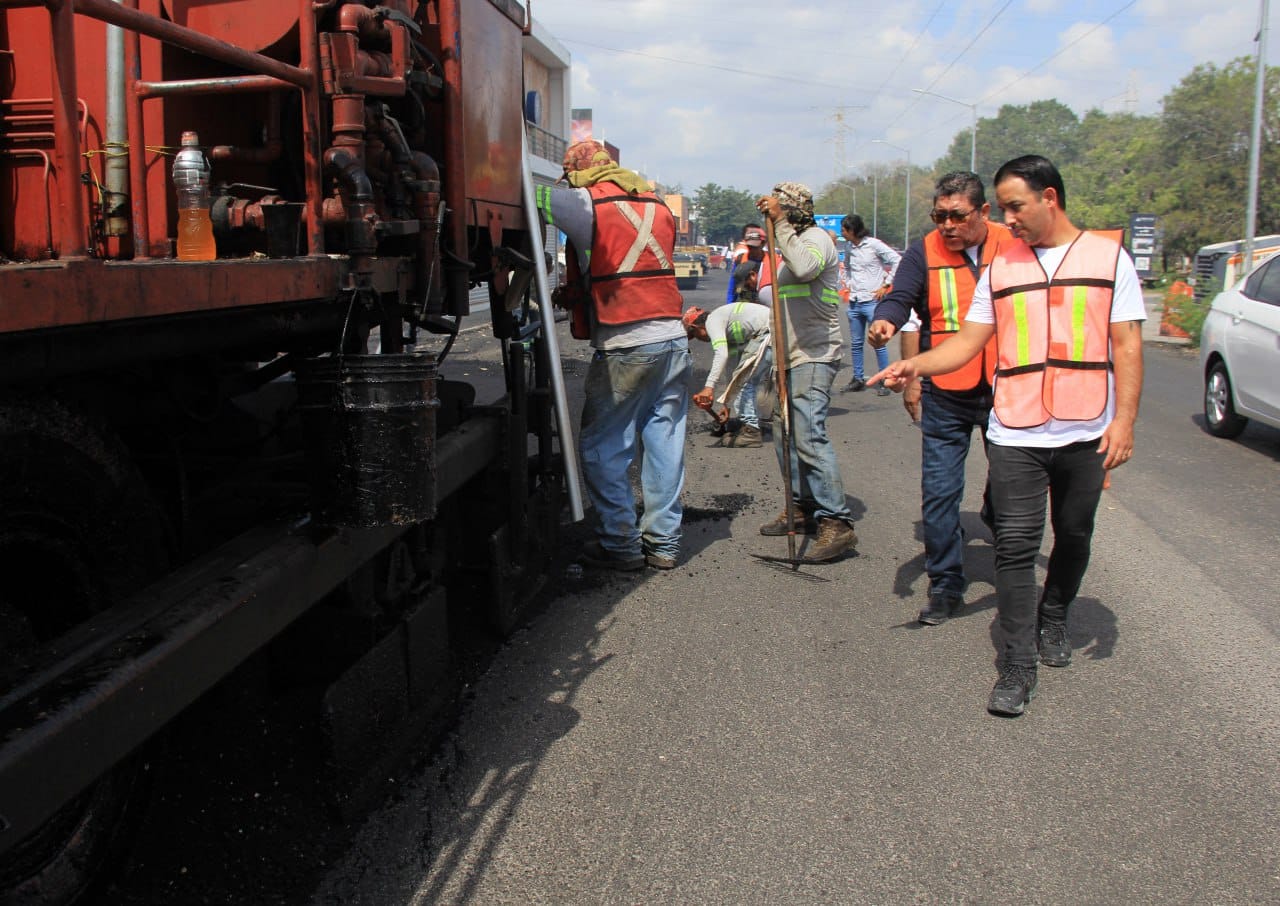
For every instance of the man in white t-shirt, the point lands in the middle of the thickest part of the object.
(1066, 308)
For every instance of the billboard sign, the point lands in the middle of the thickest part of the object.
(1142, 243)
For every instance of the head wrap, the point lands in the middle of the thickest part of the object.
(797, 203)
(586, 154)
(587, 163)
(754, 237)
(690, 318)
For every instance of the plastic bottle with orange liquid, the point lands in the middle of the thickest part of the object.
(191, 179)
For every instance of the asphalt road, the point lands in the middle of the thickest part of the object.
(729, 732)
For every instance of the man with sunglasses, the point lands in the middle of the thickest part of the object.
(1067, 308)
(936, 279)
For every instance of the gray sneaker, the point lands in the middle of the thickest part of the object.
(1055, 646)
(1012, 691)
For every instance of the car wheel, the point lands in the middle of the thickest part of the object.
(1219, 412)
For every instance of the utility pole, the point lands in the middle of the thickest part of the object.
(906, 228)
(1255, 140)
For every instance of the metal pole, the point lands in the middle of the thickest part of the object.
(1251, 209)
(568, 449)
(906, 229)
(973, 143)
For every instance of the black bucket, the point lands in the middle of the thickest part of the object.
(369, 422)
(283, 223)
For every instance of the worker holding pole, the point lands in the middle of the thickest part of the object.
(808, 353)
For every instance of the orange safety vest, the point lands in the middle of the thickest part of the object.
(1053, 336)
(764, 276)
(632, 278)
(951, 284)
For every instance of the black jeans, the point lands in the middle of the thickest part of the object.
(1020, 477)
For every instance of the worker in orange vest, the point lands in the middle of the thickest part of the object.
(1066, 309)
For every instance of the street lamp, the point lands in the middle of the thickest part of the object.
(906, 229)
(973, 135)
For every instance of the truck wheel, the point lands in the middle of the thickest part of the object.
(1219, 412)
(79, 532)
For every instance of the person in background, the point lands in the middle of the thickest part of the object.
(1066, 307)
(740, 330)
(935, 280)
(807, 293)
(749, 248)
(869, 266)
(621, 237)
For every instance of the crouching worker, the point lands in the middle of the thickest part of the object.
(621, 236)
(740, 329)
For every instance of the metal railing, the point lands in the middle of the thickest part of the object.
(546, 145)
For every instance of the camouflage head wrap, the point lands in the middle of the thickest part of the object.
(797, 202)
(584, 155)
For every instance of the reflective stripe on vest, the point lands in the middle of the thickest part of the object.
(801, 291)
(951, 282)
(632, 277)
(1053, 336)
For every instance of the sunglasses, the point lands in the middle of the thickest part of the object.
(941, 217)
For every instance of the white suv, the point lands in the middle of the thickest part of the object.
(1240, 353)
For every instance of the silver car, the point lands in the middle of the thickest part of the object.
(1240, 353)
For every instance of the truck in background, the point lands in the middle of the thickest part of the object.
(1219, 265)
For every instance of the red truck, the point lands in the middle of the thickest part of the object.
(198, 456)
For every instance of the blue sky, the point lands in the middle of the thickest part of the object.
(746, 93)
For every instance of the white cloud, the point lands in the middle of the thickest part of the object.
(748, 95)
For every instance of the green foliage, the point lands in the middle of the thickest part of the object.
(722, 213)
(1188, 165)
(878, 196)
(1043, 127)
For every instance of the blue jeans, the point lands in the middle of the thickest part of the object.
(815, 475)
(861, 314)
(947, 426)
(1020, 477)
(745, 404)
(636, 396)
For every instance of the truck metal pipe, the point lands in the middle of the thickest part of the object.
(568, 449)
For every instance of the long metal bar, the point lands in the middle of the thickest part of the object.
(137, 150)
(117, 161)
(71, 217)
(312, 127)
(568, 449)
(190, 39)
(227, 85)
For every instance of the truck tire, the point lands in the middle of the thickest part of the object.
(79, 532)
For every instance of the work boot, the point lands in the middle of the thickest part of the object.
(1055, 647)
(857, 385)
(749, 436)
(596, 554)
(1012, 691)
(835, 536)
(804, 524)
(942, 606)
